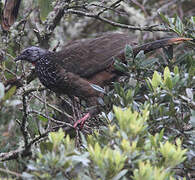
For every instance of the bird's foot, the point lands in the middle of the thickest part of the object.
(82, 121)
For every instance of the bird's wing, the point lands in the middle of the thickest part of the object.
(86, 58)
(89, 56)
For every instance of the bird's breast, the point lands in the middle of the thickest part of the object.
(48, 74)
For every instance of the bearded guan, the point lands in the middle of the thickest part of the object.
(81, 63)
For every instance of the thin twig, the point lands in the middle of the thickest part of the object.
(111, 6)
(107, 8)
(52, 119)
(27, 92)
(7, 171)
(116, 24)
(6, 69)
(53, 107)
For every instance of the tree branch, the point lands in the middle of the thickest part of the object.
(116, 24)
(24, 120)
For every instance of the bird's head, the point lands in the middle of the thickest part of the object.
(31, 54)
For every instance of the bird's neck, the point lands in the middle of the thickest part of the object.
(44, 59)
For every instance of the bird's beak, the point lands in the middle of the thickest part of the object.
(17, 58)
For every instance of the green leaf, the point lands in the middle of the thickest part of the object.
(176, 70)
(165, 19)
(175, 79)
(2, 90)
(140, 57)
(161, 134)
(167, 78)
(119, 90)
(98, 88)
(169, 83)
(156, 79)
(120, 66)
(179, 25)
(128, 52)
(81, 158)
(120, 175)
(10, 93)
(167, 74)
(44, 119)
(149, 62)
(56, 137)
(45, 8)
(149, 84)
(45, 147)
(129, 96)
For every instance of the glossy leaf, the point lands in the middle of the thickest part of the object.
(167, 73)
(156, 79)
(98, 88)
(10, 93)
(128, 52)
(44, 119)
(149, 62)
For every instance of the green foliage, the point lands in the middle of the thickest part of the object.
(179, 27)
(108, 161)
(57, 157)
(170, 99)
(167, 83)
(131, 122)
(128, 151)
(172, 155)
(148, 172)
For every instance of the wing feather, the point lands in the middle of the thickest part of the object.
(89, 56)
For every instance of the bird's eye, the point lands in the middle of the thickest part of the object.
(27, 52)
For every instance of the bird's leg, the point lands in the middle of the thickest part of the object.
(92, 112)
(82, 120)
(83, 89)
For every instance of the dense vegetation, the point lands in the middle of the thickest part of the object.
(146, 129)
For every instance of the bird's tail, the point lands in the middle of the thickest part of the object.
(148, 47)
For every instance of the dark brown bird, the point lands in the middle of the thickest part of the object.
(10, 12)
(81, 63)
